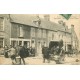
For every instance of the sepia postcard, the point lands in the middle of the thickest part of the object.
(39, 39)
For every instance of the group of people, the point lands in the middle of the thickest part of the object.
(23, 52)
(18, 51)
(71, 52)
(48, 53)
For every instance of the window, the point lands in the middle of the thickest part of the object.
(21, 32)
(1, 24)
(52, 36)
(33, 32)
(44, 33)
(39, 33)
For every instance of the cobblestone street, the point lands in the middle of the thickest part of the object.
(39, 61)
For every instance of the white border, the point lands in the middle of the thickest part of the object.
(39, 6)
(39, 72)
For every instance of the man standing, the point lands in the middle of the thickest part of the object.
(46, 54)
(23, 53)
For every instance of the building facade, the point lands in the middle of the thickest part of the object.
(33, 31)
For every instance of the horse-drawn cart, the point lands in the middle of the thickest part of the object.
(56, 51)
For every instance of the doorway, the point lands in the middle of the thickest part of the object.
(27, 43)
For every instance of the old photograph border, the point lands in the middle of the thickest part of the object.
(54, 6)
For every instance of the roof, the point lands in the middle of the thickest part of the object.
(23, 19)
(28, 19)
(51, 25)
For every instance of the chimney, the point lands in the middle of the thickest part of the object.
(47, 17)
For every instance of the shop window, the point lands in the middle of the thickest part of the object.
(27, 43)
(14, 43)
(20, 43)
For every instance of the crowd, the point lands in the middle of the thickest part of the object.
(49, 54)
(18, 51)
(57, 52)
(21, 52)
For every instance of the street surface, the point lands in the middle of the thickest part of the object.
(39, 61)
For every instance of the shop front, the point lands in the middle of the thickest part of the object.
(14, 42)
